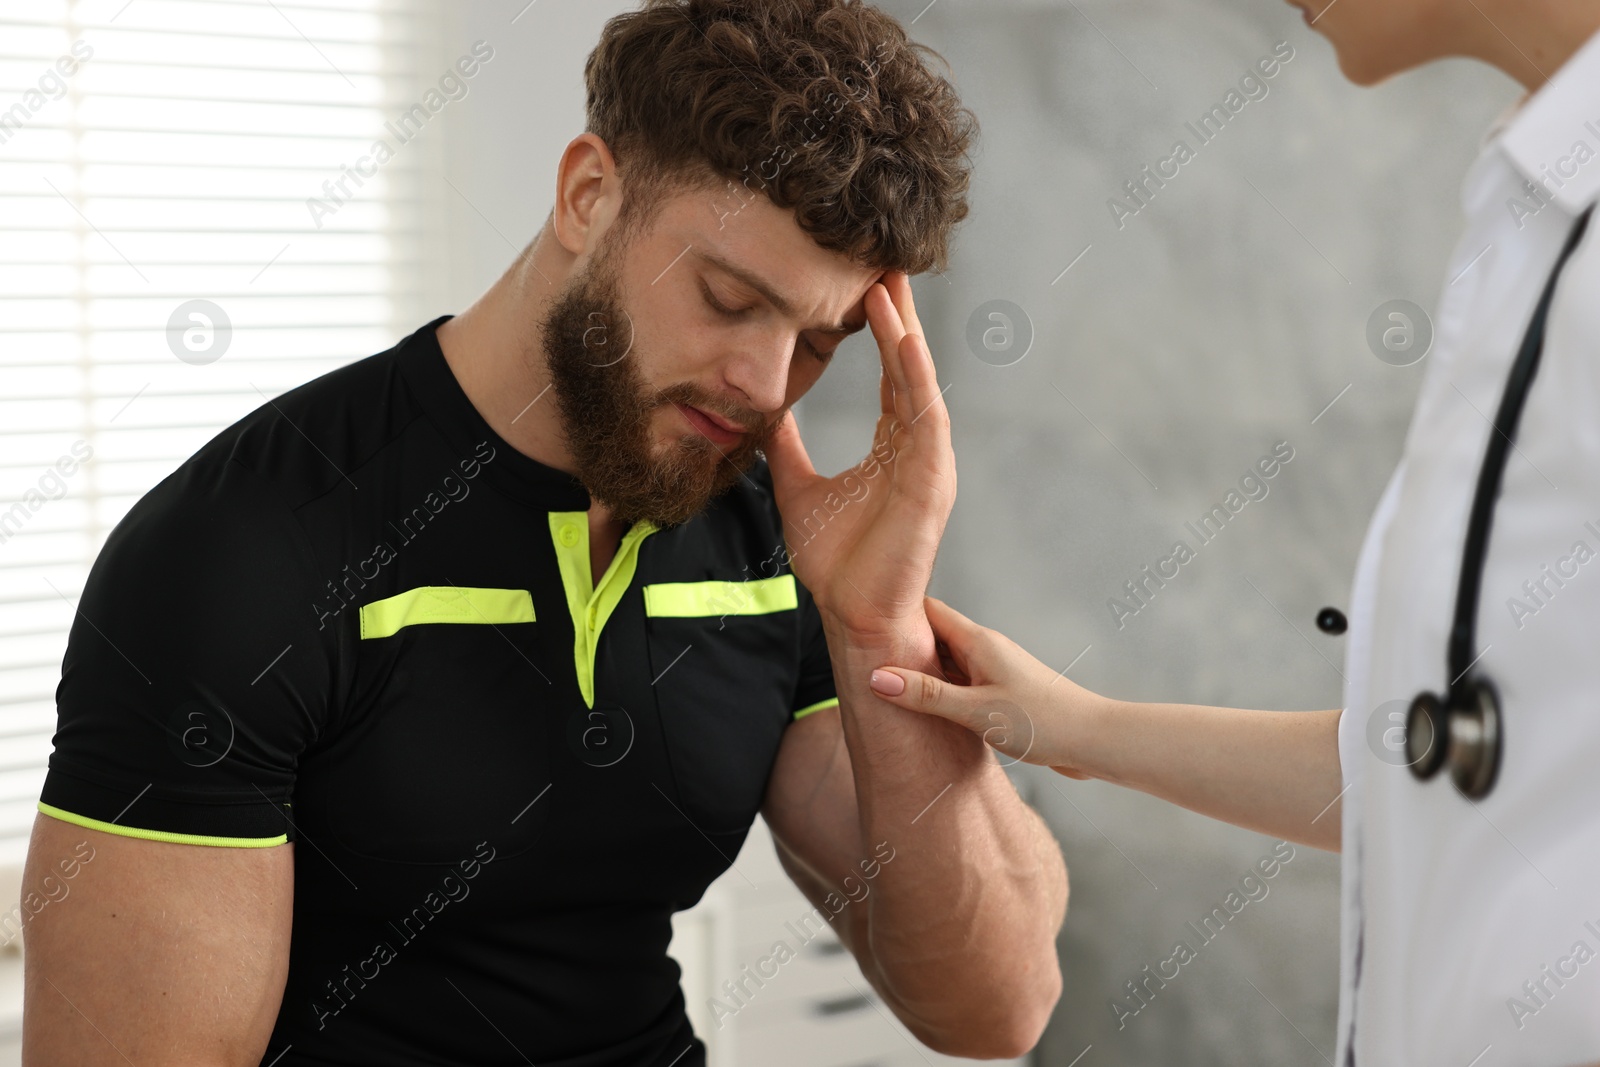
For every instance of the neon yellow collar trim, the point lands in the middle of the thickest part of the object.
(589, 604)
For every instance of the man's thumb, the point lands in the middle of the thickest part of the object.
(787, 458)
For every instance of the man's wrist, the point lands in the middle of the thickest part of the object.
(863, 645)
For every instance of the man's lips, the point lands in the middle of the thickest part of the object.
(716, 428)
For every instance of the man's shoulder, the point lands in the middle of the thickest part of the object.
(309, 439)
(238, 495)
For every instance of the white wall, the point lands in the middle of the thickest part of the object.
(500, 145)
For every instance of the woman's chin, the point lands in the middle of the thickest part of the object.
(1366, 68)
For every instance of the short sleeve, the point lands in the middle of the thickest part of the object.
(196, 673)
(815, 689)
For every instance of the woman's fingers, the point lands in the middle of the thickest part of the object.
(954, 630)
(953, 671)
(999, 722)
(993, 688)
(916, 691)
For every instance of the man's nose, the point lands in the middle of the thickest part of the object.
(760, 373)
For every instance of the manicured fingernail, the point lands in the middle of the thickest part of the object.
(890, 685)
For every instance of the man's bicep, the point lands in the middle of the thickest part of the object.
(151, 951)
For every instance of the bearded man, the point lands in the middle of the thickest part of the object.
(404, 715)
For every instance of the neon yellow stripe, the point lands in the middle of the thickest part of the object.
(161, 835)
(444, 603)
(589, 604)
(818, 706)
(686, 600)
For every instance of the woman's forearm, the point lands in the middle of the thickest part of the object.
(1272, 771)
(1276, 772)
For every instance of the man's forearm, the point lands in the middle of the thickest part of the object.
(962, 930)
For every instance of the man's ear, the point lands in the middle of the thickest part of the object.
(588, 194)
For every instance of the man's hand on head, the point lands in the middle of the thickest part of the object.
(863, 541)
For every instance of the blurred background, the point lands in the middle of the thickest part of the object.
(194, 218)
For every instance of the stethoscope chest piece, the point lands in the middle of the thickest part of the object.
(1475, 741)
(1465, 733)
(1425, 725)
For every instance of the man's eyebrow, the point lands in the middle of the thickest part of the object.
(772, 296)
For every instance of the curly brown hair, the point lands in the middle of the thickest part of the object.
(822, 105)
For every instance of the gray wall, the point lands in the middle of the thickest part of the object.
(1220, 319)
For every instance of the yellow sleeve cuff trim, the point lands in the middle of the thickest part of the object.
(444, 603)
(686, 600)
(818, 706)
(161, 835)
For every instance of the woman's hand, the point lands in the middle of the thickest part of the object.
(997, 690)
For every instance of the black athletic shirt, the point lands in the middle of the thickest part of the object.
(359, 620)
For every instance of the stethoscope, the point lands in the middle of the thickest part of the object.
(1468, 718)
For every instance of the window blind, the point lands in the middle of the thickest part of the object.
(187, 229)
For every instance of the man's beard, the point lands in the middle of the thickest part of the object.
(607, 411)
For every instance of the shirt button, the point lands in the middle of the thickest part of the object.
(591, 618)
(569, 535)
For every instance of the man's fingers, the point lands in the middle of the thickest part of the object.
(889, 331)
(914, 357)
(895, 363)
(884, 318)
(919, 404)
(928, 415)
(899, 286)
